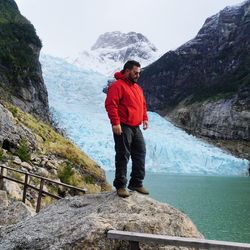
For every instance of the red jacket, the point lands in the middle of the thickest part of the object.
(125, 102)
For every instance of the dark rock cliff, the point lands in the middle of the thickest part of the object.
(204, 85)
(21, 79)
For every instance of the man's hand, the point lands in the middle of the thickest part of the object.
(145, 125)
(117, 129)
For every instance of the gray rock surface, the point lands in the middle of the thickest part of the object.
(82, 223)
(11, 133)
(14, 213)
(3, 199)
(217, 119)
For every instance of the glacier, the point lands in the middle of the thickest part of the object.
(78, 102)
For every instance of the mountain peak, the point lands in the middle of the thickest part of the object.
(226, 20)
(113, 49)
(118, 40)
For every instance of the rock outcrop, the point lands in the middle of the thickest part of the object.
(21, 80)
(82, 223)
(12, 132)
(204, 85)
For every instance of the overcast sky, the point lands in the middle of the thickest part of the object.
(67, 27)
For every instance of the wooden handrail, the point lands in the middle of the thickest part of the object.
(134, 238)
(40, 189)
(46, 179)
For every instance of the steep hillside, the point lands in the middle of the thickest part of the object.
(204, 85)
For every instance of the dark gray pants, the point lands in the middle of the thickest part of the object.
(129, 143)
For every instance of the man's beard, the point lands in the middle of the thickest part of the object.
(132, 79)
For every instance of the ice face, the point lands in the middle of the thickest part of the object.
(77, 98)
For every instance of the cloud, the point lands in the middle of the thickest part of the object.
(73, 26)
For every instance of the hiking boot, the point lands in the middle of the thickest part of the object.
(122, 192)
(141, 190)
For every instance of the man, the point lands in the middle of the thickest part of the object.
(126, 108)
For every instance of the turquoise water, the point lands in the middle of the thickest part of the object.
(218, 206)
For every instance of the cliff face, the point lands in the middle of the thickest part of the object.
(204, 86)
(21, 80)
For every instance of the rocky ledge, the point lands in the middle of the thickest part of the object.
(82, 223)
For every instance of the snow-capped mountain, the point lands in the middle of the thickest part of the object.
(76, 96)
(113, 49)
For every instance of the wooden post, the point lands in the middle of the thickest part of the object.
(25, 187)
(38, 205)
(1, 178)
(134, 245)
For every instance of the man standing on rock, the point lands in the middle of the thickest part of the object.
(126, 108)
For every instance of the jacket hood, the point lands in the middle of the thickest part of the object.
(119, 75)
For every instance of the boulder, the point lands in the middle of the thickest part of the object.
(43, 172)
(14, 213)
(17, 160)
(50, 165)
(82, 222)
(27, 166)
(13, 190)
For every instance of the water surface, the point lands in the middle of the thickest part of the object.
(218, 206)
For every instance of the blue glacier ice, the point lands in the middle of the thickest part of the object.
(77, 98)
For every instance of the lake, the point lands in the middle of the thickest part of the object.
(218, 206)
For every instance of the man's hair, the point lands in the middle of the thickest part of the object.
(130, 64)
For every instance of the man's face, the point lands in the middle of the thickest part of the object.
(134, 74)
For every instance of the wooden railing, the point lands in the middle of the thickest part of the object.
(135, 238)
(40, 190)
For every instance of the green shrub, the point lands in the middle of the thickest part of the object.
(68, 175)
(65, 172)
(23, 151)
(89, 179)
(13, 110)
